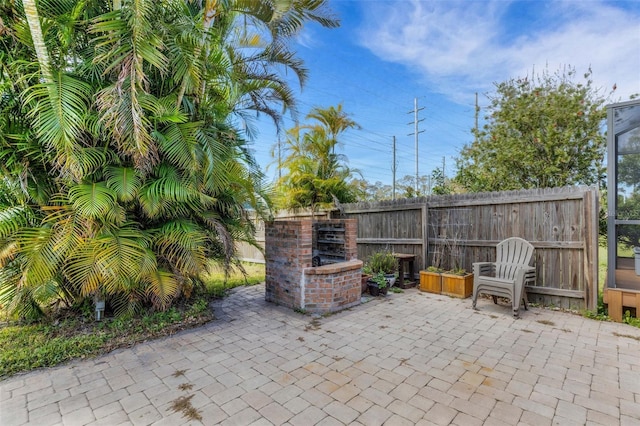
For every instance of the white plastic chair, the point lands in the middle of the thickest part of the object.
(507, 276)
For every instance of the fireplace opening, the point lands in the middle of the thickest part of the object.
(328, 243)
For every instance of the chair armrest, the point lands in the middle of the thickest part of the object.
(529, 275)
(484, 268)
(526, 275)
(483, 263)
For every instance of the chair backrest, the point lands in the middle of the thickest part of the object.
(510, 254)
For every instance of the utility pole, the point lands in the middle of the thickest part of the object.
(393, 168)
(415, 133)
(476, 117)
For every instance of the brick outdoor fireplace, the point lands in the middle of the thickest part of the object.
(313, 265)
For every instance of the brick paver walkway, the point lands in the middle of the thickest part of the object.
(412, 358)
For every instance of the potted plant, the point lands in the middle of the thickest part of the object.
(366, 276)
(431, 280)
(384, 262)
(457, 282)
(378, 285)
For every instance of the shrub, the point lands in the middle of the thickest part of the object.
(382, 261)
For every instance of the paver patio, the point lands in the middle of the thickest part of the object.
(412, 358)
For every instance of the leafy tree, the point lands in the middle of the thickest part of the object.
(544, 131)
(439, 183)
(436, 184)
(375, 191)
(316, 176)
(124, 169)
(407, 184)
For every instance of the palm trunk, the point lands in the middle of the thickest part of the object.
(33, 19)
(210, 12)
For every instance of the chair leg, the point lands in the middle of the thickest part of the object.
(495, 299)
(474, 298)
(516, 299)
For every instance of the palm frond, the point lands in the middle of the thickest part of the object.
(10, 289)
(86, 160)
(82, 271)
(120, 261)
(69, 228)
(16, 299)
(92, 200)
(122, 104)
(186, 60)
(221, 237)
(163, 110)
(179, 144)
(42, 260)
(134, 23)
(129, 303)
(161, 194)
(13, 218)
(291, 15)
(182, 244)
(124, 181)
(58, 109)
(110, 262)
(128, 124)
(161, 287)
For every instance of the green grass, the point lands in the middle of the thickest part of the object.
(217, 285)
(602, 266)
(27, 347)
(601, 313)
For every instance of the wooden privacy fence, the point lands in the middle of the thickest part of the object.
(561, 223)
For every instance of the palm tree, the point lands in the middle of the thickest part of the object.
(333, 120)
(317, 176)
(130, 171)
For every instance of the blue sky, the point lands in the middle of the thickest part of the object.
(386, 53)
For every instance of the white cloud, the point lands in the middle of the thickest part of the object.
(306, 38)
(464, 47)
